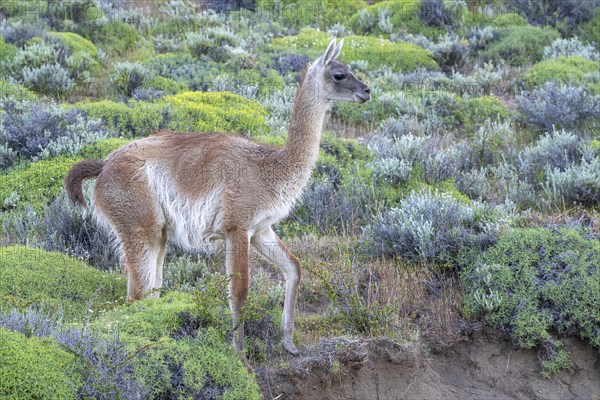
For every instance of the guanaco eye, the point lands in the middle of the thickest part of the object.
(339, 77)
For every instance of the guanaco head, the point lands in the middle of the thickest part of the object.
(338, 83)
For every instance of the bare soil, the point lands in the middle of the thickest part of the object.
(381, 369)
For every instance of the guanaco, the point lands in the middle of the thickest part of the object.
(193, 188)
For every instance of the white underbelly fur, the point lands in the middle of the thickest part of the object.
(191, 223)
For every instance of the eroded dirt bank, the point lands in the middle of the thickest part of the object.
(475, 369)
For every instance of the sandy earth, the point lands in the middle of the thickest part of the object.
(475, 369)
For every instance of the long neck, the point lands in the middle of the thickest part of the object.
(302, 148)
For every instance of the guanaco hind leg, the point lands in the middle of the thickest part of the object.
(269, 245)
(236, 263)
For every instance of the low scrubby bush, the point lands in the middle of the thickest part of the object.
(412, 16)
(559, 105)
(536, 281)
(378, 52)
(576, 184)
(34, 184)
(183, 68)
(56, 282)
(300, 13)
(53, 67)
(215, 112)
(36, 368)
(186, 355)
(566, 70)
(16, 92)
(571, 47)
(34, 131)
(520, 45)
(126, 77)
(130, 120)
(435, 227)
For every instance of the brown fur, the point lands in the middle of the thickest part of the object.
(74, 179)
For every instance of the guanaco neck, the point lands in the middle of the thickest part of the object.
(301, 151)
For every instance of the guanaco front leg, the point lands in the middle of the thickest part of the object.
(269, 245)
(236, 261)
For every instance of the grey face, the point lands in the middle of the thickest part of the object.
(342, 85)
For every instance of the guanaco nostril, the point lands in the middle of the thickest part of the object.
(367, 90)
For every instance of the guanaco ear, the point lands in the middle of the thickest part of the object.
(336, 51)
(326, 57)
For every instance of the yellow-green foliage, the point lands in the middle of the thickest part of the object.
(35, 184)
(102, 148)
(135, 119)
(500, 21)
(208, 359)
(56, 281)
(16, 91)
(215, 112)
(520, 45)
(378, 52)
(33, 368)
(564, 69)
(75, 43)
(7, 51)
(115, 37)
(473, 112)
(167, 85)
(300, 13)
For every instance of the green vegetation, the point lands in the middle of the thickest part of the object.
(15, 91)
(564, 69)
(520, 45)
(75, 43)
(54, 282)
(533, 282)
(399, 16)
(130, 120)
(179, 346)
(34, 368)
(300, 13)
(378, 52)
(215, 112)
(35, 184)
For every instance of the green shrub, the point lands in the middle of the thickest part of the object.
(475, 111)
(590, 31)
(185, 356)
(399, 16)
(215, 112)
(102, 148)
(520, 45)
(534, 281)
(16, 91)
(35, 184)
(54, 281)
(126, 77)
(75, 43)
(135, 119)
(299, 13)
(33, 368)
(506, 20)
(115, 37)
(166, 85)
(377, 52)
(564, 70)
(7, 51)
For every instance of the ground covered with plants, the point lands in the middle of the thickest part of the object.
(461, 202)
